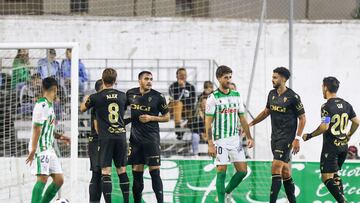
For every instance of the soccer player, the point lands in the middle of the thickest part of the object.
(224, 110)
(146, 106)
(335, 114)
(285, 108)
(110, 105)
(95, 182)
(41, 145)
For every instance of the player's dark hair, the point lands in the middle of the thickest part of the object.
(109, 76)
(143, 72)
(180, 69)
(331, 83)
(222, 70)
(98, 84)
(49, 83)
(207, 84)
(283, 72)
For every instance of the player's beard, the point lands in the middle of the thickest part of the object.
(226, 85)
(276, 85)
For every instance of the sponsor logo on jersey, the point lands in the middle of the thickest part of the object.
(140, 107)
(278, 108)
(228, 111)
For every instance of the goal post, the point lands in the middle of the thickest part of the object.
(7, 51)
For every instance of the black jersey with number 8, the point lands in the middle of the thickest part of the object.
(109, 106)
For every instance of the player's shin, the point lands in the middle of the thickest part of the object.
(138, 185)
(124, 185)
(37, 192)
(157, 185)
(334, 190)
(235, 181)
(50, 193)
(275, 187)
(220, 185)
(106, 187)
(94, 187)
(290, 189)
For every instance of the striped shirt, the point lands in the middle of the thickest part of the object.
(225, 109)
(44, 116)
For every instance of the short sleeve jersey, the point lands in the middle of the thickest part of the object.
(152, 103)
(336, 112)
(225, 109)
(109, 106)
(284, 111)
(44, 116)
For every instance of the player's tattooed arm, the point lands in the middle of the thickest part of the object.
(323, 127)
(354, 126)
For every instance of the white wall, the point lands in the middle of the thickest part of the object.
(321, 49)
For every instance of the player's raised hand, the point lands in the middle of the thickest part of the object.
(145, 118)
(30, 157)
(250, 143)
(212, 150)
(295, 146)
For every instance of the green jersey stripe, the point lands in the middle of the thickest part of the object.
(38, 165)
(41, 136)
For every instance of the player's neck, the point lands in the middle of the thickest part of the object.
(223, 90)
(331, 96)
(48, 98)
(108, 86)
(143, 91)
(280, 90)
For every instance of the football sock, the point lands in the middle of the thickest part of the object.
(235, 181)
(275, 187)
(157, 185)
(124, 185)
(37, 192)
(138, 185)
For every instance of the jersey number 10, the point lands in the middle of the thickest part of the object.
(340, 123)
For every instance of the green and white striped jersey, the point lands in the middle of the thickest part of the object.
(225, 108)
(44, 116)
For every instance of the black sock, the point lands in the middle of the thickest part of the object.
(95, 187)
(124, 185)
(157, 185)
(334, 190)
(106, 187)
(290, 189)
(338, 181)
(138, 185)
(275, 187)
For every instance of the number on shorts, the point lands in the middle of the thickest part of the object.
(44, 159)
(219, 150)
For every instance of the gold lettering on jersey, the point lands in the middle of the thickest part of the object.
(339, 143)
(115, 130)
(140, 107)
(111, 96)
(278, 108)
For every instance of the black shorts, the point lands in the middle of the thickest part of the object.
(93, 152)
(331, 161)
(281, 150)
(144, 153)
(112, 149)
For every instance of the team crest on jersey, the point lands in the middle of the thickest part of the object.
(149, 99)
(134, 96)
(273, 97)
(285, 99)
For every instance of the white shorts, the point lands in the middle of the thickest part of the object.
(229, 150)
(46, 163)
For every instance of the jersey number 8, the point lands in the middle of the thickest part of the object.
(113, 109)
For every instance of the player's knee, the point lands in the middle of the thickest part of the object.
(121, 170)
(42, 178)
(59, 181)
(106, 171)
(138, 168)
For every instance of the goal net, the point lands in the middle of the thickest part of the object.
(22, 68)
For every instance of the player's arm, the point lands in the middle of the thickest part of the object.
(264, 114)
(34, 141)
(354, 126)
(245, 126)
(209, 135)
(62, 137)
(86, 104)
(322, 128)
(164, 110)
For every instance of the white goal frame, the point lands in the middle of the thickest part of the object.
(74, 97)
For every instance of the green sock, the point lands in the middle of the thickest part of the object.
(220, 186)
(37, 192)
(235, 181)
(50, 193)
